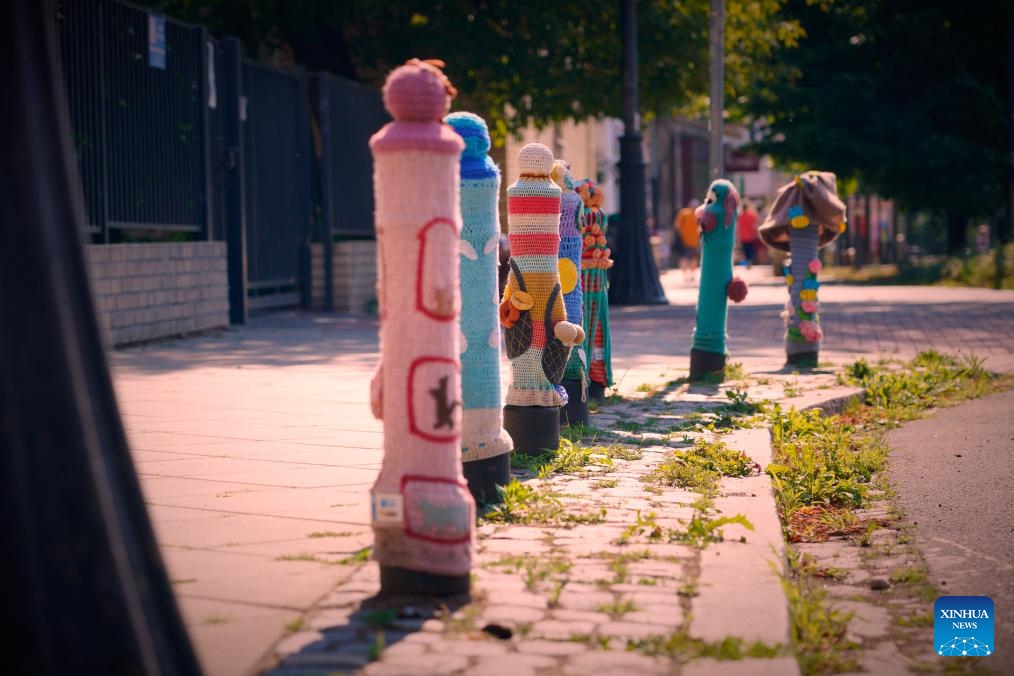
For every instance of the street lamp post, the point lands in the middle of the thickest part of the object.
(635, 278)
(716, 39)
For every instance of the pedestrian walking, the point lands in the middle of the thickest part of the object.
(746, 229)
(688, 239)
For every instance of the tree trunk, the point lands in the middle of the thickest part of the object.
(956, 227)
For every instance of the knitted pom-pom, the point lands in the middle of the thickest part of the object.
(417, 90)
(535, 159)
(736, 289)
(473, 130)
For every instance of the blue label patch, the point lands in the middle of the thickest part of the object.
(963, 626)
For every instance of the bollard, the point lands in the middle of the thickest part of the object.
(575, 375)
(537, 335)
(595, 261)
(485, 445)
(717, 217)
(422, 513)
(805, 216)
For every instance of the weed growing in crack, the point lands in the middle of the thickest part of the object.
(525, 504)
(680, 646)
(700, 467)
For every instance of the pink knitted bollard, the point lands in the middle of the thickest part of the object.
(423, 515)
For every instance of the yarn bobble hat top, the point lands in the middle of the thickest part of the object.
(418, 95)
(475, 160)
(811, 199)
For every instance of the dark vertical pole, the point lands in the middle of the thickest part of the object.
(207, 167)
(635, 278)
(305, 191)
(103, 105)
(716, 88)
(230, 90)
(327, 191)
(1005, 233)
(82, 585)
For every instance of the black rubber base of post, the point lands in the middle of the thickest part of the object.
(396, 581)
(596, 392)
(803, 359)
(576, 411)
(483, 476)
(534, 429)
(706, 365)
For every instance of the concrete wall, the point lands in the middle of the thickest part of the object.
(147, 291)
(355, 276)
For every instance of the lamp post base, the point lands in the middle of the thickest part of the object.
(704, 364)
(397, 581)
(483, 476)
(534, 429)
(576, 410)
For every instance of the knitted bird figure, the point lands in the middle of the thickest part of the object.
(717, 218)
(537, 335)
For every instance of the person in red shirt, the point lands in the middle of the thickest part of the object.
(746, 228)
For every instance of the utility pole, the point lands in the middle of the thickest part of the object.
(716, 89)
(634, 278)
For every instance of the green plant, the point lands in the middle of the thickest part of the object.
(526, 504)
(295, 625)
(701, 530)
(571, 458)
(908, 575)
(818, 631)
(700, 467)
(329, 534)
(617, 607)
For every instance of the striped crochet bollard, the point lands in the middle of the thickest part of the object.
(537, 335)
(595, 261)
(805, 216)
(717, 217)
(485, 445)
(575, 375)
(423, 516)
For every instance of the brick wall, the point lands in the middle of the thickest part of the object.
(355, 276)
(146, 291)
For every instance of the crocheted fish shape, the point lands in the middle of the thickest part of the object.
(537, 335)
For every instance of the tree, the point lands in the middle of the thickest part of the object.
(511, 62)
(908, 96)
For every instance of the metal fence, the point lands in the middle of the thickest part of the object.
(277, 163)
(140, 129)
(179, 138)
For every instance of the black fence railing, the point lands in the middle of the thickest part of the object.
(139, 128)
(178, 138)
(277, 173)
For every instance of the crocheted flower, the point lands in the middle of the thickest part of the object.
(808, 294)
(811, 332)
(789, 279)
(522, 300)
(736, 289)
(809, 306)
(814, 266)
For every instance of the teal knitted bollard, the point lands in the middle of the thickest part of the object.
(575, 375)
(717, 218)
(805, 216)
(485, 445)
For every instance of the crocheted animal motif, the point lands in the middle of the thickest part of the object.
(537, 335)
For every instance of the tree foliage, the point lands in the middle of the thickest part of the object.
(513, 62)
(907, 96)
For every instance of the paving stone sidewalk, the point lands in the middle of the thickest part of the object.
(256, 452)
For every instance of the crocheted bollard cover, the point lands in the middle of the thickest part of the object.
(485, 445)
(423, 515)
(537, 334)
(575, 375)
(717, 217)
(805, 216)
(595, 261)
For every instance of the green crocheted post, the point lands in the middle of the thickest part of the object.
(717, 217)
